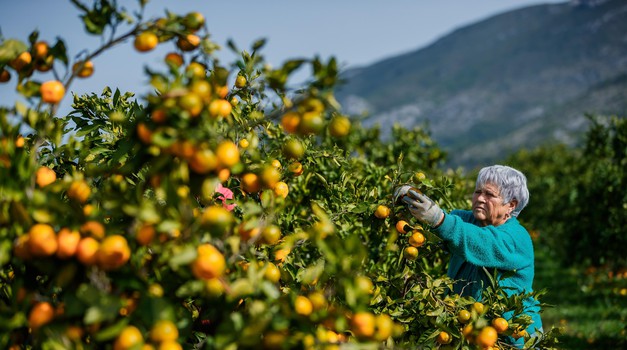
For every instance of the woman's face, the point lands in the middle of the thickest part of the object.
(488, 207)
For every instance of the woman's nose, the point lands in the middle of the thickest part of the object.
(480, 197)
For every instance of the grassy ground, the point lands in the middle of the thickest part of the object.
(590, 305)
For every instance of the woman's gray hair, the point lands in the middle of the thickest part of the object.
(512, 184)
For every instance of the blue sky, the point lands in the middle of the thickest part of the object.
(356, 32)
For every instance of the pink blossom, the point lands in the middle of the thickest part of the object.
(226, 194)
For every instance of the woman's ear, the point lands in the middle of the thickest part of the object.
(512, 205)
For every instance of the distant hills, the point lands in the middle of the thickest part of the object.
(518, 79)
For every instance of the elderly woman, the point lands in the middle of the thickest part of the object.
(488, 237)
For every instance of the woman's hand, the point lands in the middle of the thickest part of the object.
(423, 208)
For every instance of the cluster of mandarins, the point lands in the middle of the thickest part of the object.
(41, 57)
(89, 245)
(416, 233)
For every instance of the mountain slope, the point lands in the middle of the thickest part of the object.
(510, 81)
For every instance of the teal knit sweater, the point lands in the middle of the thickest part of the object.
(506, 247)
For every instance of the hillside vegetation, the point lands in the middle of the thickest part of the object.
(514, 80)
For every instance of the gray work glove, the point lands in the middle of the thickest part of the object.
(423, 208)
(400, 192)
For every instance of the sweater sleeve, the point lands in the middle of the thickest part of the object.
(507, 246)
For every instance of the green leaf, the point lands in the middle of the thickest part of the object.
(59, 51)
(29, 89)
(189, 288)
(258, 44)
(111, 331)
(5, 252)
(182, 257)
(10, 49)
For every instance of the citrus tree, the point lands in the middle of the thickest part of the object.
(583, 194)
(223, 210)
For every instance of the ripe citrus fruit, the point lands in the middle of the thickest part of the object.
(281, 254)
(42, 240)
(193, 21)
(222, 91)
(41, 314)
(383, 327)
(272, 273)
(174, 59)
(240, 81)
(83, 69)
(228, 154)
(487, 337)
(281, 189)
(463, 316)
(79, 191)
(410, 253)
(113, 252)
(250, 183)
(155, 290)
(520, 333)
(217, 219)
(417, 239)
(93, 228)
(269, 176)
(247, 233)
(169, 345)
(271, 234)
(339, 126)
(67, 243)
(87, 251)
(363, 324)
(45, 176)
(443, 338)
(191, 103)
(382, 212)
(311, 104)
(478, 307)
(303, 306)
(129, 338)
(196, 70)
(364, 284)
(220, 108)
(402, 226)
(21, 61)
(467, 332)
(188, 42)
(290, 121)
(209, 263)
(144, 133)
(295, 168)
(146, 41)
(203, 161)
(52, 91)
(318, 300)
(40, 50)
(214, 287)
(500, 324)
(311, 123)
(163, 331)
